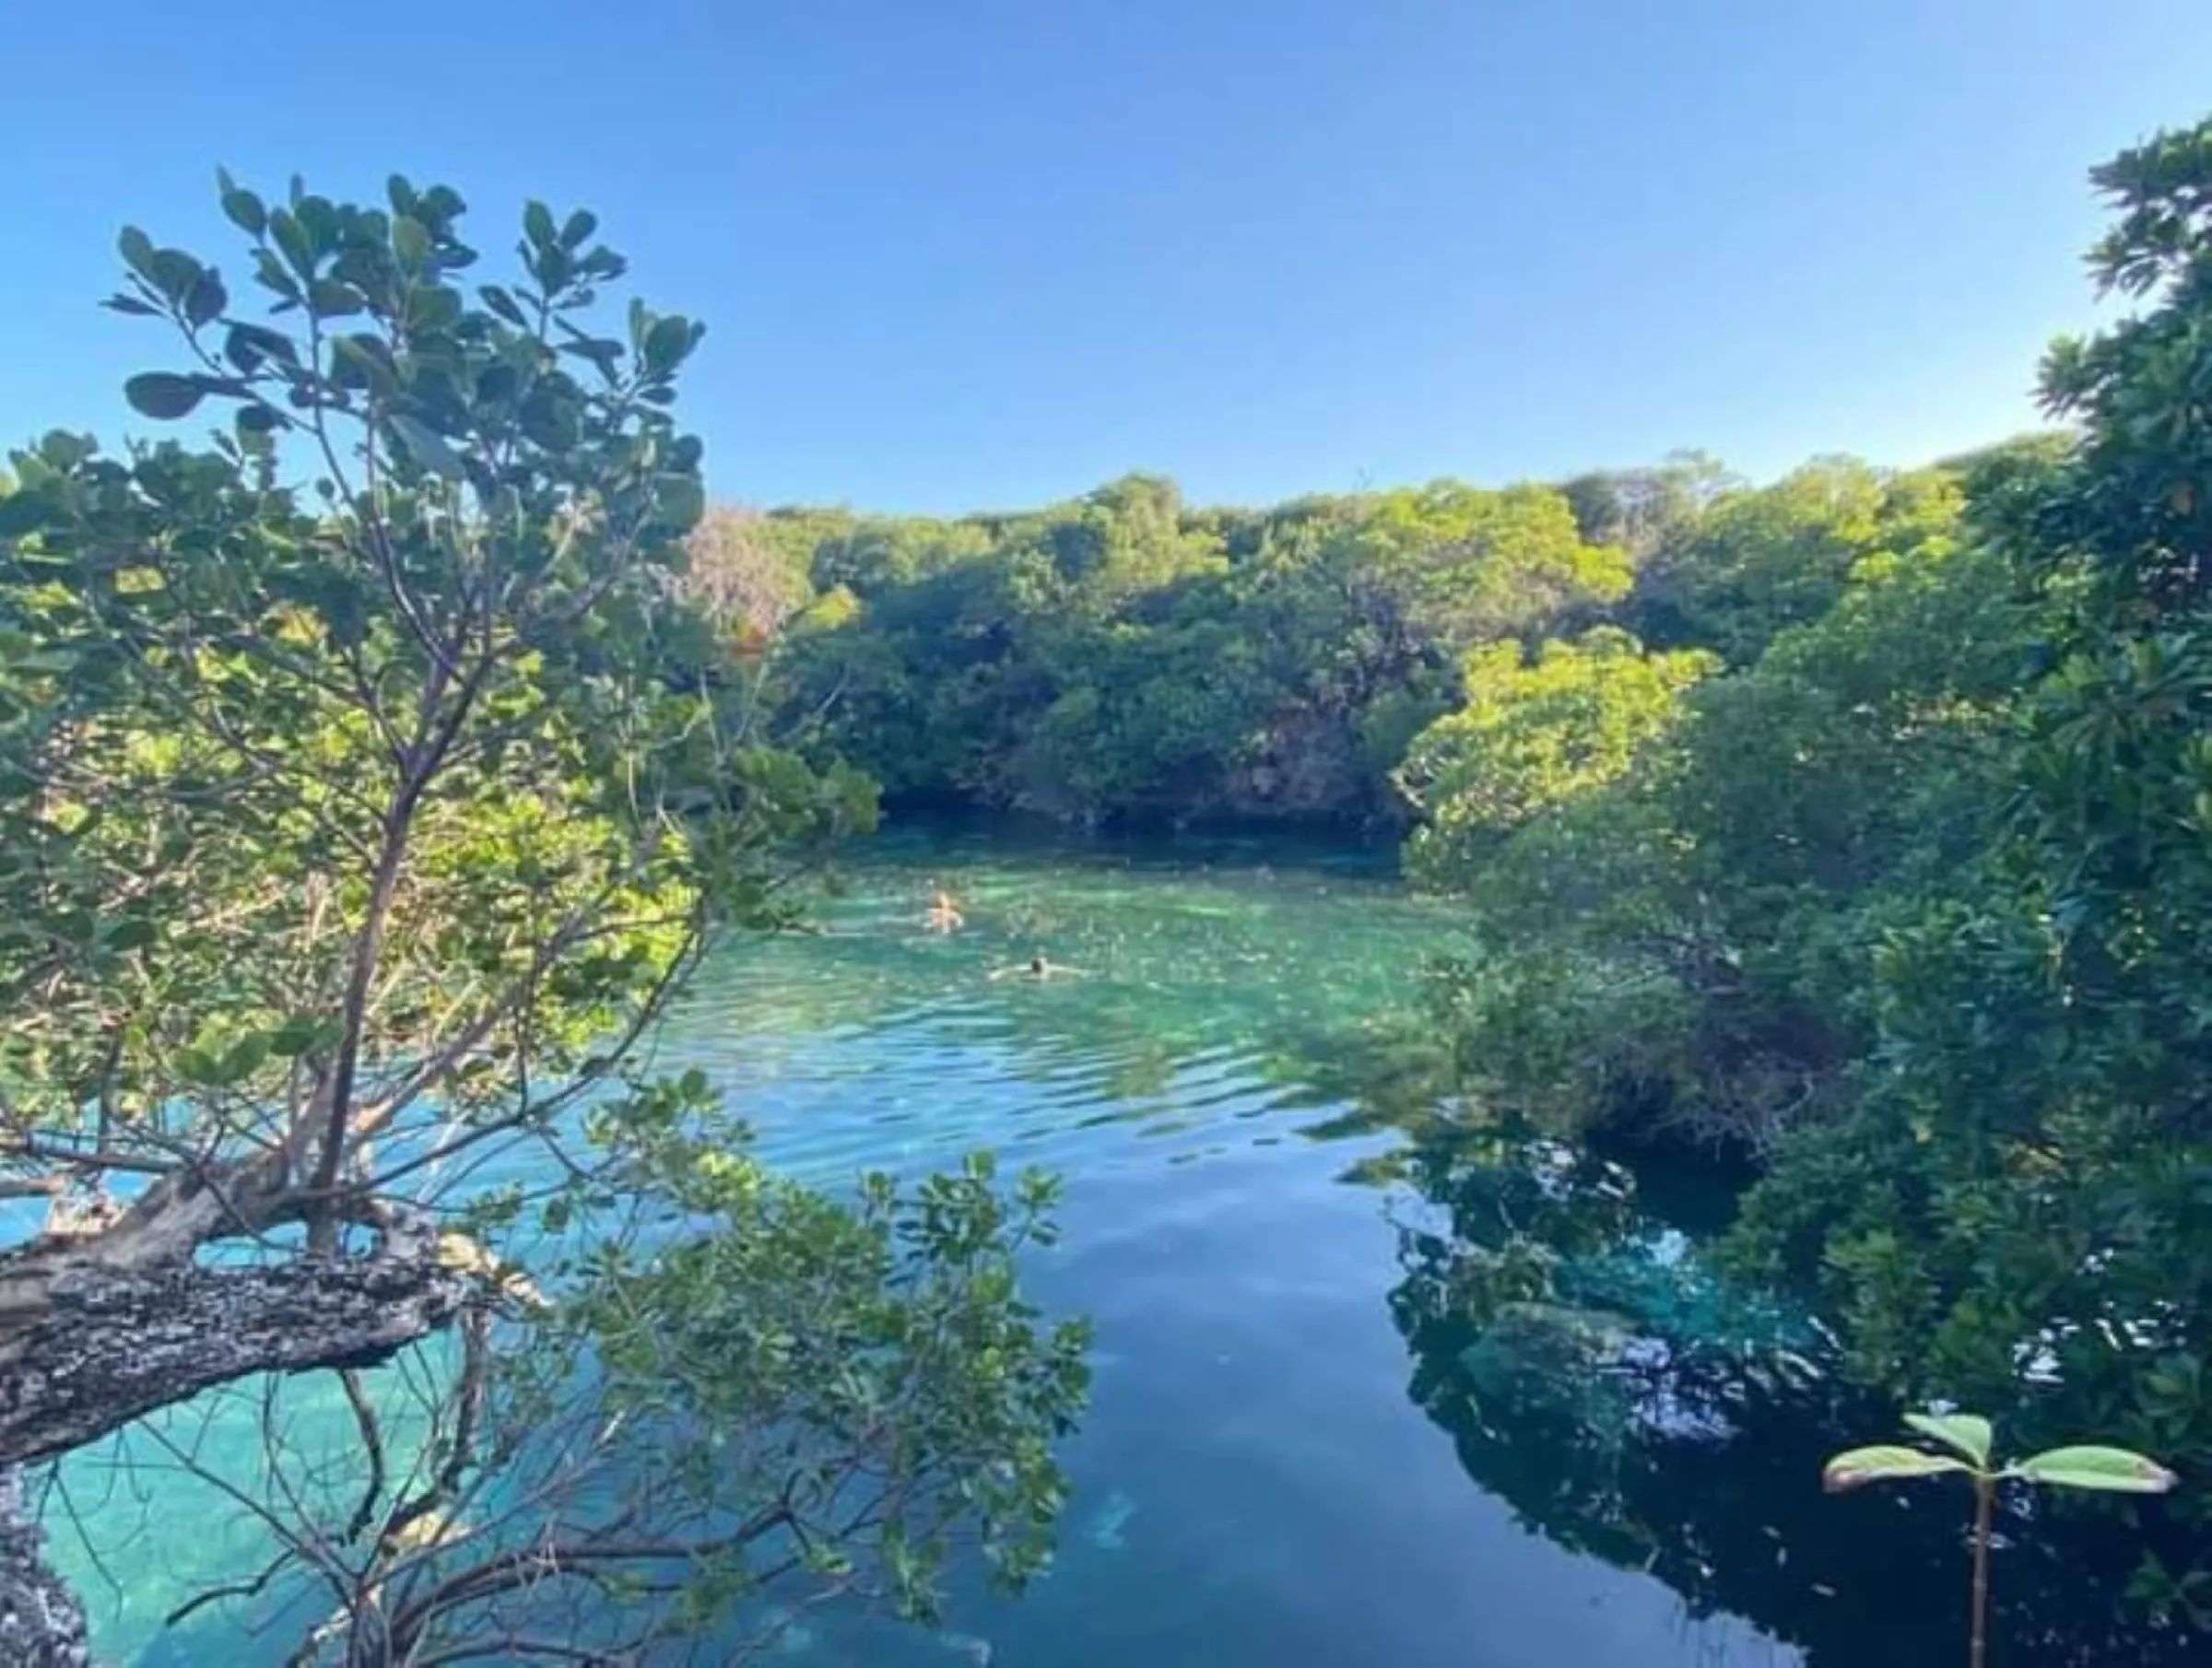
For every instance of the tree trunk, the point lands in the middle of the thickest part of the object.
(101, 1328)
(86, 1347)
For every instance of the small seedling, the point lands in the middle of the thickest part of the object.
(1968, 1437)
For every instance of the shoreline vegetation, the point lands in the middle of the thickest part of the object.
(1855, 827)
(363, 774)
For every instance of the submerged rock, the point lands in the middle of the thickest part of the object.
(1592, 1366)
(1540, 1335)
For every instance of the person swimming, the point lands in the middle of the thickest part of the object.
(944, 914)
(1037, 966)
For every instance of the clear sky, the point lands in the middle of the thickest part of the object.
(962, 253)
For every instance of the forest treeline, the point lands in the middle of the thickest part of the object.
(1858, 824)
(1128, 657)
(1131, 658)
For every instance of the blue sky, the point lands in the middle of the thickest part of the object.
(963, 253)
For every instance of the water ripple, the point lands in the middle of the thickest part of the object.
(1254, 1483)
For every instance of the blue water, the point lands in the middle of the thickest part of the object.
(1338, 1415)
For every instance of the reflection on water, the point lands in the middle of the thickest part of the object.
(1627, 1408)
(1463, 1399)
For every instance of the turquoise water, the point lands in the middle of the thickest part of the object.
(1372, 1387)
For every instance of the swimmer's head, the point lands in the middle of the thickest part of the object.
(1036, 964)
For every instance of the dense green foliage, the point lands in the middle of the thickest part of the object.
(1127, 656)
(1533, 734)
(370, 781)
(1694, 938)
(1910, 903)
(1749, 565)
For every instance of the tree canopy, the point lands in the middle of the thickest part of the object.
(370, 780)
(1128, 657)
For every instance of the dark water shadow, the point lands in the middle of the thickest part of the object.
(1593, 1375)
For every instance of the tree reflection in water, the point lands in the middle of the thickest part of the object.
(1593, 1375)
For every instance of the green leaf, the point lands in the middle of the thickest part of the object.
(504, 304)
(205, 301)
(162, 395)
(241, 207)
(1963, 1433)
(411, 243)
(552, 269)
(601, 262)
(21, 513)
(2111, 1470)
(270, 273)
(602, 352)
(245, 1057)
(537, 224)
(497, 384)
(132, 305)
(318, 218)
(64, 450)
(579, 226)
(246, 345)
(175, 275)
(138, 251)
(196, 1065)
(131, 934)
(680, 500)
(368, 358)
(667, 344)
(432, 307)
(1883, 1464)
(42, 662)
(292, 241)
(331, 299)
(301, 1033)
(428, 447)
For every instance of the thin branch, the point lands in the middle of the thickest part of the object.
(475, 1335)
(249, 1588)
(43, 1150)
(651, 1007)
(571, 1559)
(515, 1647)
(373, 1446)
